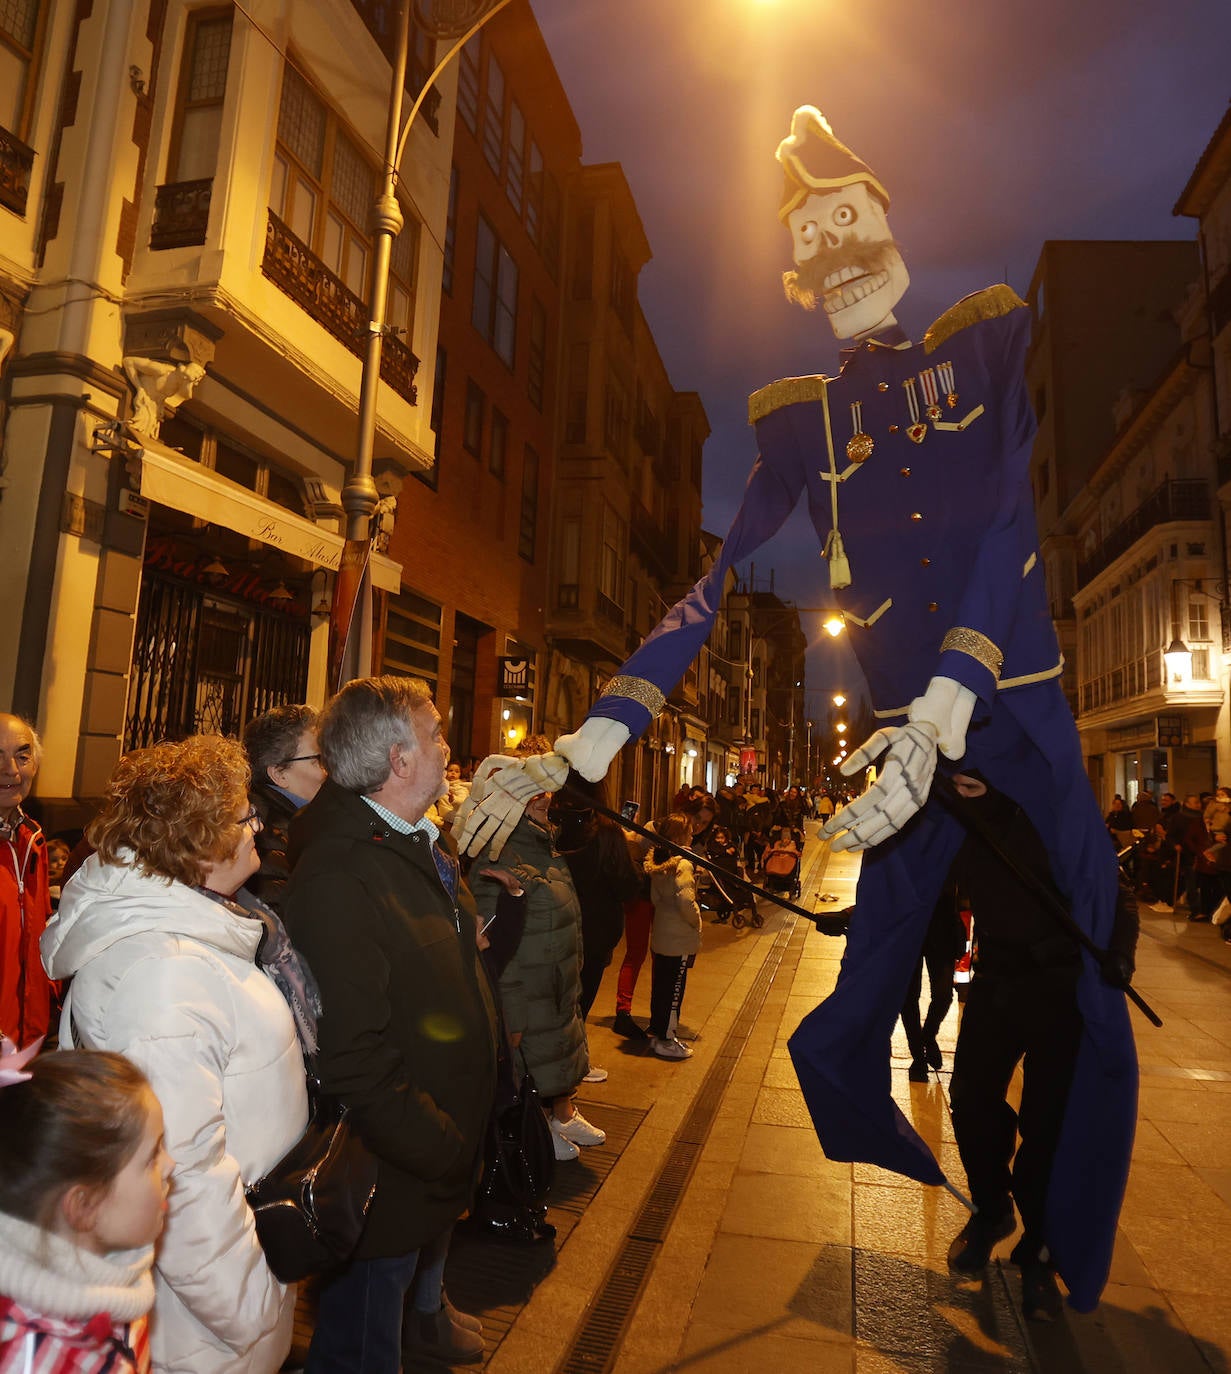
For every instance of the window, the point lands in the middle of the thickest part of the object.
(202, 89)
(412, 638)
(404, 278)
(615, 420)
(493, 115)
(323, 189)
(468, 85)
(472, 422)
(583, 262)
(515, 165)
(570, 564)
(536, 370)
(528, 531)
(534, 194)
(578, 393)
(623, 290)
(494, 313)
(19, 34)
(438, 405)
(450, 245)
(611, 562)
(551, 224)
(497, 444)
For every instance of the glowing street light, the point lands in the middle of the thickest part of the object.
(833, 624)
(841, 727)
(839, 699)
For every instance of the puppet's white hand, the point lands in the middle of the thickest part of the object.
(592, 746)
(502, 786)
(895, 796)
(947, 706)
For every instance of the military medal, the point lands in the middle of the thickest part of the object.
(946, 381)
(927, 381)
(859, 445)
(916, 431)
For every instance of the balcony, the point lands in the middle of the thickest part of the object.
(649, 542)
(16, 164)
(295, 269)
(1188, 500)
(181, 213)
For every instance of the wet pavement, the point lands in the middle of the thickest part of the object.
(719, 1237)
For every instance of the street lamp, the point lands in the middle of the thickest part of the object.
(839, 699)
(833, 624)
(1177, 656)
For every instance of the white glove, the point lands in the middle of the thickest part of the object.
(592, 746)
(947, 706)
(502, 786)
(895, 796)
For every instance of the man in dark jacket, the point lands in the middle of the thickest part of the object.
(408, 1035)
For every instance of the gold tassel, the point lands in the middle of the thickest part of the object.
(839, 567)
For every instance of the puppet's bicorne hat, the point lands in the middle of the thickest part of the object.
(813, 159)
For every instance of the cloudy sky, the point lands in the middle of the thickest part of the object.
(994, 124)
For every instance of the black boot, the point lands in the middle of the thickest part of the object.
(918, 1071)
(972, 1246)
(1040, 1296)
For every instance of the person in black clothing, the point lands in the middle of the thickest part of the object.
(944, 941)
(1022, 1006)
(603, 873)
(287, 773)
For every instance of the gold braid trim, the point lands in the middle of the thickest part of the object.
(787, 392)
(637, 689)
(987, 304)
(977, 645)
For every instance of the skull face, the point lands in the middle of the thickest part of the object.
(846, 258)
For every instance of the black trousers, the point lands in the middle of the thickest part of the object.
(1032, 1018)
(667, 982)
(939, 963)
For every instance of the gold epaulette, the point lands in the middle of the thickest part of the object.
(788, 391)
(987, 304)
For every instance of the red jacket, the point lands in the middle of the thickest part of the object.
(26, 994)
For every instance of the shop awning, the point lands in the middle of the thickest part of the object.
(172, 480)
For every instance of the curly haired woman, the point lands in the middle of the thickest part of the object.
(162, 942)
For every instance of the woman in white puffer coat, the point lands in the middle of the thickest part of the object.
(161, 945)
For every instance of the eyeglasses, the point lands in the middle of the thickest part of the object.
(252, 820)
(302, 758)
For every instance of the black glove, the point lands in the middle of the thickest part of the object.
(833, 925)
(1117, 969)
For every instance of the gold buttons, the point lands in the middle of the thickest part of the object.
(893, 429)
(925, 562)
(904, 471)
(932, 606)
(882, 386)
(871, 348)
(916, 515)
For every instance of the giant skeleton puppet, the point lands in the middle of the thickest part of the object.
(914, 460)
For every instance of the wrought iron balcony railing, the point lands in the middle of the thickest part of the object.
(181, 213)
(16, 164)
(1188, 500)
(294, 268)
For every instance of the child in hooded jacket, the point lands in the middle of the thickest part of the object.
(675, 936)
(84, 1179)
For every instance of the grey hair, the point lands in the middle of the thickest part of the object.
(270, 739)
(36, 742)
(365, 721)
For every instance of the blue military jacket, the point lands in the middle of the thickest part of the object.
(932, 505)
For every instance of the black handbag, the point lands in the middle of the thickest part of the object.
(518, 1166)
(310, 1208)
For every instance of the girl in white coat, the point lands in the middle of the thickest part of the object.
(162, 944)
(675, 936)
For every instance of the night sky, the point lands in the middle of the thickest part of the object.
(994, 124)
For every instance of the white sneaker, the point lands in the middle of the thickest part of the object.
(596, 1076)
(669, 1049)
(577, 1131)
(565, 1149)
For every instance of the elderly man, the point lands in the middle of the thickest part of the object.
(408, 1037)
(26, 994)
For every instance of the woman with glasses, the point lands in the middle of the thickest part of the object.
(177, 966)
(287, 773)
